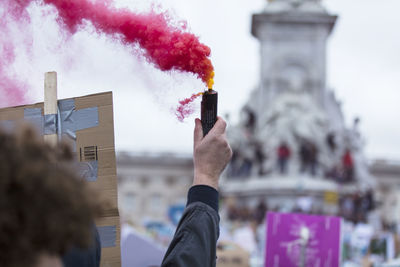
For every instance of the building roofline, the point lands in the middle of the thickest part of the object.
(164, 159)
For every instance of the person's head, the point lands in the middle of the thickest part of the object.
(45, 207)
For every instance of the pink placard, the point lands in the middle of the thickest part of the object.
(299, 240)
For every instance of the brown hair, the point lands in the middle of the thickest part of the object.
(45, 207)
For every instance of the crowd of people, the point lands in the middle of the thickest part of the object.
(355, 207)
(308, 157)
(362, 243)
(352, 207)
(252, 156)
(251, 161)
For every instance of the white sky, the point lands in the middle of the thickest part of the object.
(364, 68)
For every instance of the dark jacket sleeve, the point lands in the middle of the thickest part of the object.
(194, 242)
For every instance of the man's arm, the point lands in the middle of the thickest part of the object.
(194, 243)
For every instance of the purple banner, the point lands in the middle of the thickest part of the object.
(299, 240)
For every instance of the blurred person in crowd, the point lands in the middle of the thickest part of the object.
(241, 163)
(283, 157)
(348, 166)
(359, 214)
(313, 159)
(308, 157)
(247, 158)
(260, 212)
(260, 157)
(233, 167)
(347, 207)
(46, 208)
(233, 213)
(369, 203)
(251, 119)
(331, 142)
(335, 174)
(304, 156)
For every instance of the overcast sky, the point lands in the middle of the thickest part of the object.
(363, 70)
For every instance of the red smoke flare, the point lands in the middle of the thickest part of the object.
(185, 108)
(167, 46)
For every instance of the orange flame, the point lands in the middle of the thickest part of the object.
(210, 81)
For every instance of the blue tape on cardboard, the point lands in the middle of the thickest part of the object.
(34, 116)
(108, 236)
(89, 170)
(50, 124)
(74, 120)
(66, 122)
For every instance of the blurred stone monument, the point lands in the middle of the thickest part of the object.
(291, 141)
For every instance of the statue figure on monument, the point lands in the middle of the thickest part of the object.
(294, 119)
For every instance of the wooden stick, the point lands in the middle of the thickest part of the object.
(50, 102)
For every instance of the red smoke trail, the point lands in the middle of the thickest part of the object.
(12, 88)
(167, 46)
(185, 108)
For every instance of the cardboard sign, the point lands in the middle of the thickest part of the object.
(299, 240)
(87, 123)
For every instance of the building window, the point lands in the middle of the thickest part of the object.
(130, 201)
(144, 181)
(121, 179)
(155, 203)
(170, 181)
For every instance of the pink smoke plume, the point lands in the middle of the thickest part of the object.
(185, 107)
(167, 46)
(12, 87)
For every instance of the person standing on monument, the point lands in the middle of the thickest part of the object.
(305, 156)
(313, 159)
(348, 166)
(283, 157)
